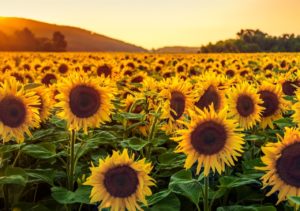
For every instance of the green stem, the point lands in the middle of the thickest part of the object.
(71, 161)
(80, 207)
(206, 201)
(6, 197)
(16, 158)
(152, 134)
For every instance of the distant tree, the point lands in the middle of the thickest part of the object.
(4, 43)
(59, 42)
(249, 40)
(25, 40)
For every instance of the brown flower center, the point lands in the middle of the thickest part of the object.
(177, 104)
(63, 68)
(210, 96)
(12, 112)
(209, 138)
(48, 79)
(121, 181)
(84, 101)
(288, 165)
(104, 69)
(137, 79)
(245, 105)
(230, 73)
(270, 103)
(289, 87)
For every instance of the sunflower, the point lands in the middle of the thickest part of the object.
(48, 78)
(63, 68)
(18, 110)
(84, 102)
(209, 88)
(211, 139)
(120, 182)
(289, 83)
(138, 77)
(281, 161)
(45, 97)
(18, 75)
(134, 104)
(104, 69)
(178, 99)
(244, 105)
(296, 108)
(273, 103)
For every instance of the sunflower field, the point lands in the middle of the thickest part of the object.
(154, 132)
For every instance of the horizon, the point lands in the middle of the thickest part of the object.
(157, 24)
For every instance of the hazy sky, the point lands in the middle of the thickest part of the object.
(156, 23)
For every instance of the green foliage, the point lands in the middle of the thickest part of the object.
(249, 40)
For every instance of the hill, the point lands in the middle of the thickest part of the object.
(78, 39)
(177, 49)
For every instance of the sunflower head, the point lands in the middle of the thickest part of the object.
(48, 78)
(244, 105)
(18, 110)
(105, 70)
(209, 90)
(178, 99)
(120, 182)
(272, 102)
(45, 97)
(211, 139)
(84, 102)
(63, 68)
(282, 160)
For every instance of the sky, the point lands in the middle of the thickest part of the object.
(158, 23)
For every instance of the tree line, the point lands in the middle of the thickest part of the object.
(249, 40)
(25, 40)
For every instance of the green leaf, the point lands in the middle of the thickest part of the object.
(105, 135)
(31, 206)
(295, 199)
(249, 165)
(183, 183)
(45, 175)
(31, 86)
(170, 203)
(13, 179)
(247, 208)
(39, 134)
(9, 148)
(134, 143)
(171, 160)
(254, 138)
(249, 194)
(285, 122)
(64, 196)
(233, 182)
(153, 199)
(39, 151)
(14, 175)
(131, 116)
